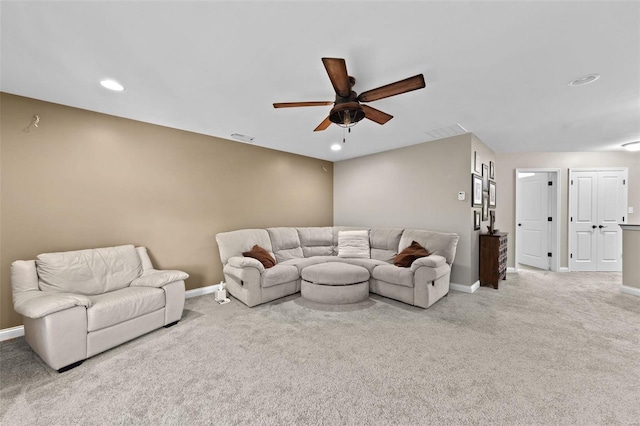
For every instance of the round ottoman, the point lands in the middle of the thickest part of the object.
(335, 282)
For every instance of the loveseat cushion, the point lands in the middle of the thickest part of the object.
(285, 243)
(384, 243)
(92, 271)
(279, 274)
(316, 241)
(394, 275)
(118, 306)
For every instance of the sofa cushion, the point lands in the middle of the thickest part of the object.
(406, 257)
(261, 255)
(368, 264)
(438, 243)
(285, 243)
(122, 305)
(279, 274)
(92, 271)
(394, 275)
(354, 244)
(384, 243)
(308, 261)
(316, 241)
(233, 243)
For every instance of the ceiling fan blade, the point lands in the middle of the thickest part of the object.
(322, 126)
(402, 86)
(301, 104)
(376, 115)
(337, 70)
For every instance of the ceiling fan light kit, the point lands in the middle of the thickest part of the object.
(347, 109)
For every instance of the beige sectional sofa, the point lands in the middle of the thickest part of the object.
(421, 284)
(77, 304)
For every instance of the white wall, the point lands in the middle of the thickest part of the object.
(415, 187)
(506, 164)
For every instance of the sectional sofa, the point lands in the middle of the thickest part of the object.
(421, 284)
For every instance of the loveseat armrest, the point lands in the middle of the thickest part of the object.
(38, 304)
(244, 262)
(432, 261)
(158, 278)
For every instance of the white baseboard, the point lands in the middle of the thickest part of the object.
(630, 290)
(563, 269)
(13, 332)
(465, 288)
(202, 291)
(511, 270)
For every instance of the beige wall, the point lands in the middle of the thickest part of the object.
(415, 187)
(507, 163)
(84, 179)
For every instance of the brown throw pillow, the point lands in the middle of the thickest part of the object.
(262, 255)
(406, 257)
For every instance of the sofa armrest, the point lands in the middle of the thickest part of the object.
(432, 261)
(244, 262)
(155, 278)
(38, 304)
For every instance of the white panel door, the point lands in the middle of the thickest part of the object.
(584, 209)
(611, 209)
(533, 224)
(598, 205)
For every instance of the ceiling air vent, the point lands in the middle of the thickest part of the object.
(243, 138)
(446, 132)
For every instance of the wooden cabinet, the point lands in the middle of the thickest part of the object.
(493, 258)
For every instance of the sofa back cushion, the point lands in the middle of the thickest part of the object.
(384, 243)
(316, 241)
(443, 244)
(234, 243)
(285, 243)
(89, 272)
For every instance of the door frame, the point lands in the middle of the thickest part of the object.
(571, 201)
(554, 209)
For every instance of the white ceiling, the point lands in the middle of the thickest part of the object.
(500, 69)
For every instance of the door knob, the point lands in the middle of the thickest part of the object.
(594, 227)
(601, 226)
(519, 224)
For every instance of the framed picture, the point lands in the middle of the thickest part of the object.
(476, 190)
(485, 177)
(476, 166)
(492, 171)
(485, 206)
(476, 220)
(492, 194)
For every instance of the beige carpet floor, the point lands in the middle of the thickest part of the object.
(543, 349)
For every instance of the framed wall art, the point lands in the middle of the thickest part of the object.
(485, 177)
(492, 171)
(476, 190)
(492, 194)
(476, 220)
(485, 206)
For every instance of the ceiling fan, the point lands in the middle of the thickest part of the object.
(347, 108)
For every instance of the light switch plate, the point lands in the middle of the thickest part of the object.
(461, 195)
(630, 209)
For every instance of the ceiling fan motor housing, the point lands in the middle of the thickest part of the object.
(346, 112)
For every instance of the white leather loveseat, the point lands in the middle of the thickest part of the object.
(421, 284)
(77, 304)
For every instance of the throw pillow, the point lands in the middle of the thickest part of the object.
(262, 255)
(354, 244)
(405, 258)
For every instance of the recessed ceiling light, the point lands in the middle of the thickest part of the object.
(112, 85)
(589, 78)
(336, 147)
(632, 146)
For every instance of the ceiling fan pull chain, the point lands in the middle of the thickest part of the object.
(344, 140)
